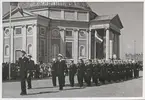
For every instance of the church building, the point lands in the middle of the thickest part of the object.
(45, 29)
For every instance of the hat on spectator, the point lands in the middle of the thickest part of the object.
(54, 59)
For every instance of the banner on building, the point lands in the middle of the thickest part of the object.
(98, 37)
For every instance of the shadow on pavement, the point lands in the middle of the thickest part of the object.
(77, 86)
(74, 88)
(43, 87)
(42, 92)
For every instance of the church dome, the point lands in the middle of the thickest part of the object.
(67, 5)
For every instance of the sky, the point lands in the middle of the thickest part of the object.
(131, 15)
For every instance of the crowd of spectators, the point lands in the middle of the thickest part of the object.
(12, 71)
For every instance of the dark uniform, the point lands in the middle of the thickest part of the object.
(30, 67)
(72, 72)
(137, 69)
(80, 73)
(114, 72)
(102, 73)
(37, 69)
(54, 72)
(61, 69)
(119, 71)
(124, 71)
(96, 73)
(109, 72)
(23, 63)
(89, 73)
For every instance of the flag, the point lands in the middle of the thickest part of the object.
(13, 3)
(98, 38)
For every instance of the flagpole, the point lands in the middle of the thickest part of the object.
(134, 49)
(10, 45)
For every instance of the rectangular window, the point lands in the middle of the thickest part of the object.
(82, 16)
(42, 30)
(18, 54)
(18, 31)
(55, 14)
(68, 33)
(69, 15)
(69, 50)
(42, 48)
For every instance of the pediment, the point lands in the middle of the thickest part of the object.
(116, 21)
(18, 13)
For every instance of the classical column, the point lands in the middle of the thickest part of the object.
(3, 44)
(47, 48)
(87, 35)
(88, 16)
(62, 14)
(12, 45)
(118, 46)
(34, 46)
(114, 52)
(104, 46)
(76, 45)
(62, 41)
(24, 41)
(107, 44)
(111, 48)
(50, 44)
(89, 40)
(94, 46)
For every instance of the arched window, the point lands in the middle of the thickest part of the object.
(82, 51)
(30, 49)
(6, 50)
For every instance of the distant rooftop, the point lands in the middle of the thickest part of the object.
(31, 5)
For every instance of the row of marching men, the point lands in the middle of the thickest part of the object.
(97, 72)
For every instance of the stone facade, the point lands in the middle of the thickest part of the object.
(44, 32)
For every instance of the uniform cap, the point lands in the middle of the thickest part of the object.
(60, 55)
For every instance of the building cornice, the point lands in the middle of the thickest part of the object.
(99, 26)
(26, 18)
(59, 9)
(26, 25)
(62, 20)
(20, 19)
